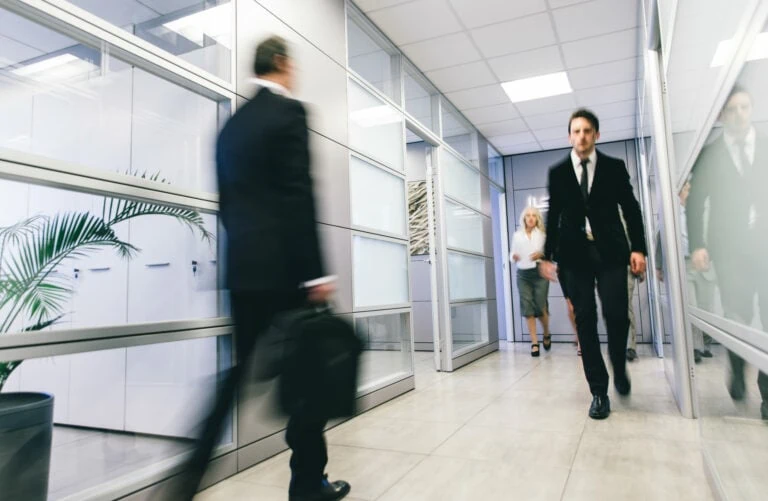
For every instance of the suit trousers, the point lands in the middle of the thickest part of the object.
(253, 312)
(612, 289)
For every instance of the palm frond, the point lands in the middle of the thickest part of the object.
(119, 210)
(14, 233)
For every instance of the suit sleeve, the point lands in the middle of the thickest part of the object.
(296, 190)
(631, 210)
(694, 206)
(553, 217)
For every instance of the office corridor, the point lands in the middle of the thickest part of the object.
(507, 427)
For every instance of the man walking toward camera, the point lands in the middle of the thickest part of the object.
(586, 238)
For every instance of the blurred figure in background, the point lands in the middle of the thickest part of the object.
(728, 183)
(274, 263)
(527, 250)
(632, 339)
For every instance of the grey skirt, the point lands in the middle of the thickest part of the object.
(534, 290)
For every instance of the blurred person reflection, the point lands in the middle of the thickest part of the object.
(274, 263)
(632, 279)
(527, 250)
(728, 182)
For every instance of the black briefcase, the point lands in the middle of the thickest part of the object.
(320, 364)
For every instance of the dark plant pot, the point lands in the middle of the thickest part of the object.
(26, 430)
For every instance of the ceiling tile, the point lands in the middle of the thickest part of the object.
(478, 97)
(519, 148)
(502, 128)
(551, 134)
(601, 49)
(555, 144)
(556, 4)
(515, 36)
(596, 18)
(548, 120)
(547, 105)
(405, 23)
(442, 52)
(621, 135)
(617, 124)
(490, 114)
(513, 139)
(624, 70)
(369, 5)
(466, 76)
(615, 110)
(527, 64)
(475, 13)
(607, 94)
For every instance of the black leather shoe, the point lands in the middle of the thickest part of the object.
(330, 491)
(631, 354)
(600, 408)
(697, 355)
(737, 388)
(706, 354)
(623, 386)
(764, 411)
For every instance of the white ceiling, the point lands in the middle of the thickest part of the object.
(467, 48)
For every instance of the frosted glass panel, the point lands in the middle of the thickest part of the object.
(461, 181)
(373, 58)
(495, 166)
(380, 270)
(469, 325)
(465, 228)
(466, 275)
(375, 128)
(378, 198)
(458, 133)
(420, 98)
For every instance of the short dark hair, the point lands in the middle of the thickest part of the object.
(737, 89)
(584, 113)
(264, 63)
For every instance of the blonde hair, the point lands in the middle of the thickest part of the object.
(536, 212)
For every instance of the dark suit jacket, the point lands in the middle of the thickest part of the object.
(715, 179)
(266, 199)
(566, 237)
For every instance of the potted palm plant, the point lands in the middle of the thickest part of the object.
(32, 290)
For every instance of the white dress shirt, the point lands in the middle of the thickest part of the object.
(577, 168)
(524, 245)
(273, 86)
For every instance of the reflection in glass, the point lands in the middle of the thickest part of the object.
(375, 128)
(386, 349)
(122, 411)
(380, 272)
(72, 260)
(495, 166)
(466, 275)
(372, 57)
(464, 228)
(77, 104)
(420, 98)
(459, 134)
(378, 198)
(197, 32)
(469, 325)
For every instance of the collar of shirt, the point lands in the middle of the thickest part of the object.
(273, 86)
(749, 145)
(577, 161)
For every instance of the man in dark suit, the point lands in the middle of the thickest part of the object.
(728, 176)
(274, 261)
(586, 237)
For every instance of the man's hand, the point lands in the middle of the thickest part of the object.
(548, 270)
(320, 294)
(535, 256)
(700, 259)
(637, 263)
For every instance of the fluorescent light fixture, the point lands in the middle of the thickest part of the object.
(726, 48)
(214, 23)
(57, 68)
(528, 89)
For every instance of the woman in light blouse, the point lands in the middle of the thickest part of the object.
(527, 250)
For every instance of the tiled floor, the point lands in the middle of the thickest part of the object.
(507, 427)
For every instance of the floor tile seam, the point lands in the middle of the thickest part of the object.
(573, 461)
(400, 479)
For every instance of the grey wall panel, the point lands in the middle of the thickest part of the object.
(416, 161)
(490, 278)
(524, 198)
(321, 84)
(482, 153)
(421, 286)
(493, 321)
(337, 249)
(257, 415)
(322, 22)
(616, 149)
(530, 170)
(485, 192)
(422, 322)
(330, 169)
(260, 451)
(488, 236)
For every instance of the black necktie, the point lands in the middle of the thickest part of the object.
(584, 182)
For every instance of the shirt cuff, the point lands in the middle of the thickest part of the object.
(319, 281)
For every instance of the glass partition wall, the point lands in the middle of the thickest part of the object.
(715, 117)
